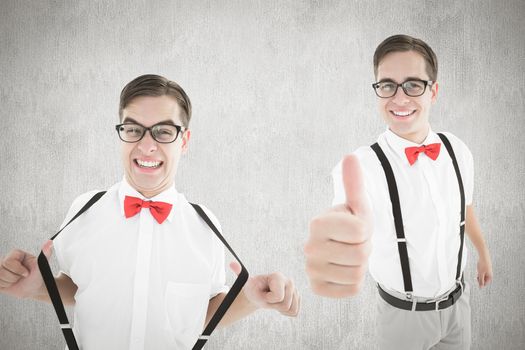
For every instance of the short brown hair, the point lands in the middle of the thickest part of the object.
(401, 43)
(155, 85)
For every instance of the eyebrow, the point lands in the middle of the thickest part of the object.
(131, 120)
(389, 80)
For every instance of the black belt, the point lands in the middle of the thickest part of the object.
(441, 304)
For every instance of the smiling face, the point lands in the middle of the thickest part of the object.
(406, 116)
(150, 166)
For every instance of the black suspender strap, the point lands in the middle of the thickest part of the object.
(51, 286)
(54, 295)
(398, 219)
(234, 290)
(452, 155)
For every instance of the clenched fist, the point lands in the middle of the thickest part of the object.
(20, 275)
(273, 291)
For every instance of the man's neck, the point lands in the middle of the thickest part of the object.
(416, 137)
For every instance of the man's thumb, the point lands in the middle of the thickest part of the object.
(235, 267)
(47, 248)
(354, 185)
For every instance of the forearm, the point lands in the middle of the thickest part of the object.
(474, 233)
(240, 308)
(66, 288)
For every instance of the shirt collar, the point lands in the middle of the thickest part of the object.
(169, 195)
(398, 144)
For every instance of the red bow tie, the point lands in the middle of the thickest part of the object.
(432, 151)
(159, 210)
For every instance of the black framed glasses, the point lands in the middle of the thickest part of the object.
(162, 132)
(412, 88)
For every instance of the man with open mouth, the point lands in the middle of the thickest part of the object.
(142, 266)
(401, 208)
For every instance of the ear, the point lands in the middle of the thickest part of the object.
(185, 140)
(434, 91)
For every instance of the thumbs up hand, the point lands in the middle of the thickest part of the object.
(20, 275)
(272, 291)
(339, 245)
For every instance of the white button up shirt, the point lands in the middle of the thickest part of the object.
(141, 285)
(430, 206)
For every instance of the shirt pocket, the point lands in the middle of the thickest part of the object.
(186, 305)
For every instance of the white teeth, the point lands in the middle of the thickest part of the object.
(402, 114)
(147, 164)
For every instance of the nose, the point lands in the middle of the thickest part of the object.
(147, 145)
(400, 98)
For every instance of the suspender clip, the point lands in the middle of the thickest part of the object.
(399, 240)
(411, 299)
(65, 326)
(205, 337)
(442, 299)
(460, 282)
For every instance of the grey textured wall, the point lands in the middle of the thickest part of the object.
(281, 92)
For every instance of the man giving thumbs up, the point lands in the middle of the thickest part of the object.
(420, 188)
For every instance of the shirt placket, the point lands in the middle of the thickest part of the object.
(141, 281)
(430, 176)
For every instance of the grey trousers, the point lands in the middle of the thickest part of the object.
(447, 329)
